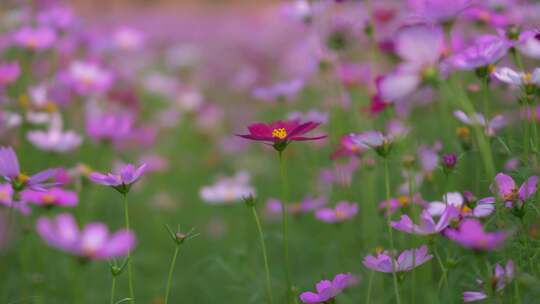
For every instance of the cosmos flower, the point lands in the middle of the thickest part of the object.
(439, 10)
(286, 91)
(509, 76)
(307, 205)
(342, 212)
(59, 17)
(9, 72)
(228, 190)
(383, 261)
(10, 171)
(127, 39)
(55, 139)
(328, 290)
(401, 202)
(51, 197)
(505, 187)
(471, 208)
(88, 78)
(36, 39)
(7, 199)
(94, 242)
(377, 141)
(113, 126)
(470, 234)
(121, 179)
(490, 127)
(487, 50)
(281, 133)
(498, 281)
(428, 225)
(350, 145)
(530, 46)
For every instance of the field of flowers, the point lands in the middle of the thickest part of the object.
(297, 151)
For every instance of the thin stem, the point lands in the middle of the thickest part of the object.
(171, 270)
(443, 269)
(370, 285)
(265, 256)
(130, 271)
(113, 288)
(284, 220)
(389, 218)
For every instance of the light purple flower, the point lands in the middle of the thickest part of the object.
(342, 212)
(470, 234)
(88, 78)
(327, 290)
(93, 242)
(505, 187)
(472, 296)
(51, 197)
(500, 279)
(439, 10)
(487, 50)
(428, 225)
(383, 261)
(228, 189)
(38, 38)
(55, 139)
(121, 179)
(10, 171)
(286, 91)
(109, 126)
(480, 208)
(7, 199)
(9, 72)
(490, 127)
(515, 78)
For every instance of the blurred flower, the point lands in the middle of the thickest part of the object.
(109, 126)
(491, 127)
(487, 50)
(228, 189)
(127, 39)
(509, 76)
(439, 10)
(350, 145)
(9, 170)
(9, 72)
(57, 16)
(500, 279)
(341, 174)
(470, 234)
(282, 91)
(405, 262)
(449, 162)
(7, 199)
(342, 212)
(88, 78)
(328, 290)
(308, 204)
(55, 139)
(121, 179)
(51, 197)
(38, 38)
(93, 242)
(312, 115)
(475, 208)
(428, 225)
(507, 190)
(400, 202)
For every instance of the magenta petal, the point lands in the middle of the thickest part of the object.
(528, 188)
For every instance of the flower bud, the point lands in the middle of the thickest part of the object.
(449, 162)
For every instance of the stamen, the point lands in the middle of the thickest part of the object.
(280, 133)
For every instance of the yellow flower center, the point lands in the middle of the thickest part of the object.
(4, 196)
(491, 69)
(24, 101)
(527, 77)
(466, 210)
(463, 132)
(22, 178)
(280, 133)
(48, 199)
(379, 249)
(340, 214)
(50, 107)
(403, 200)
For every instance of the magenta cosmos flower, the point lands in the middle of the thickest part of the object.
(470, 234)
(51, 197)
(428, 224)
(500, 279)
(120, 179)
(505, 187)
(281, 133)
(7, 199)
(39, 38)
(342, 212)
(383, 261)
(350, 145)
(487, 50)
(9, 72)
(93, 242)
(328, 290)
(9, 170)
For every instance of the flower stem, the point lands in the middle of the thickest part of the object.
(284, 220)
(130, 271)
(171, 270)
(265, 256)
(370, 285)
(113, 289)
(443, 269)
(389, 218)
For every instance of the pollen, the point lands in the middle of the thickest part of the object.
(491, 69)
(403, 200)
(280, 133)
(22, 178)
(463, 132)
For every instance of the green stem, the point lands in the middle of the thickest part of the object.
(171, 270)
(265, 256)
(113, 289)
(444, 278)
(130, 270)
(370, 285)
(389, 218)
(284, 220)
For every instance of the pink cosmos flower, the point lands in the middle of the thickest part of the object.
(401, 202)
(51, 197)
(507, 190)
(487, 50)
(287, 91)
(10, 171)
(281, 133)
(350, 145)
(228, 189)
(490, 127)
(439, 10)
(308, 204)
(470, 234)
(515, 78)
(109, 126)
(9, 72)
(383, 261)
(428, 225)
(328, 290)
(342, 212)
(39, 38)
(471, 208)
(121, 179)
(55, 139)
(7, 199)
(341, 174)
(88, 78)
(500, 279)
(93, 242)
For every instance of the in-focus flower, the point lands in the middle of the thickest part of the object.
(342, 212)
(121, 179)
(505, 187)
(405, 262)
(228, 190)
(10, 171)
(9, 72)
(490, 127)
(428, 225)
(94, 242)
(281, 133)
(39, 38)
(51, 197)
(471, 234)
(498, 281)
(327, 290)
(55, 139)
